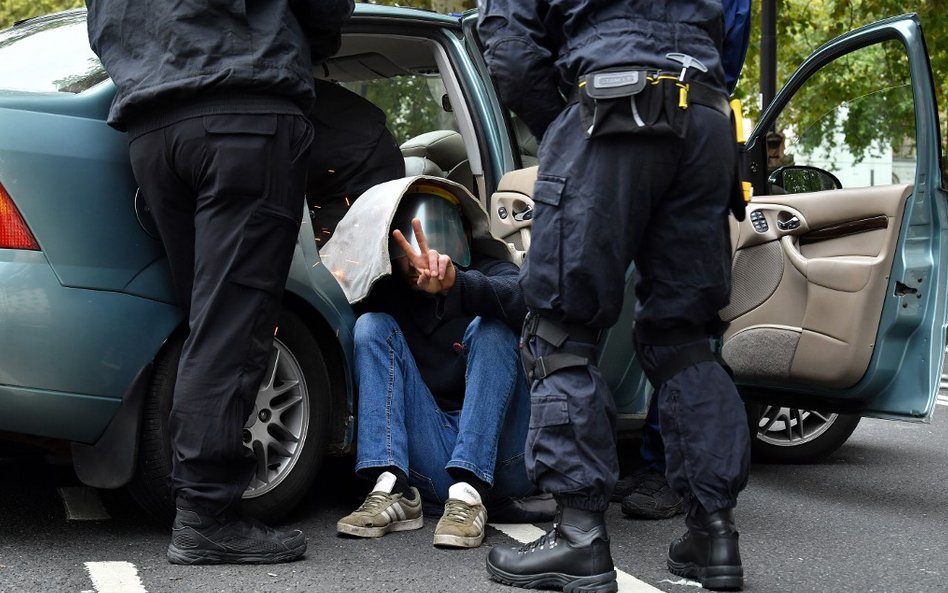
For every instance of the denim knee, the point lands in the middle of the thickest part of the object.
(490, 330)
(373, 327)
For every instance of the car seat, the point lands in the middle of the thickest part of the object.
(526, 142)
(440, 153)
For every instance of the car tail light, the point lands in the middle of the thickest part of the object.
(14, 234)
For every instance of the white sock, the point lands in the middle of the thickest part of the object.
(385, 483)
(464, 491)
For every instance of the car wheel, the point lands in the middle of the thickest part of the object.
(287, 431)
(791, 435)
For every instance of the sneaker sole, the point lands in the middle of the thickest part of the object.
(371, 532)
(600, 583)
(458, 541)
(715, 578)
(178, 555)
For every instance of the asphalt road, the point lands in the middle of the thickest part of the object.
(872, 518)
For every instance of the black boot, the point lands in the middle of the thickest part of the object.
(226, 539)
(708, 551)
(574, 556)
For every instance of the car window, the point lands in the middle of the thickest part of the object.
(49, 54)
(855, 119)
(413, 104)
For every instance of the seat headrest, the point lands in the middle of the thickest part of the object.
(419, 165)
(444, 147)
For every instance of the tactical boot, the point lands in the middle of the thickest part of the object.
(652, 498)
(225, 539)
(708, 551)
(574, 557)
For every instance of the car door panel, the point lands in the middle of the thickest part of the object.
(798, 290)
(511, 209)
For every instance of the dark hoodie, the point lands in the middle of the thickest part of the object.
(434, 325)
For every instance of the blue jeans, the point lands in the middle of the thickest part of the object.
(653, 447)
(401, 425)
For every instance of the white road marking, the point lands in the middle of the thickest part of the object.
(942, 400)
(523, 533)
(115, 577)
(685, 582)
(83, 504)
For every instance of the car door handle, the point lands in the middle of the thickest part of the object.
(788, 224)
(524, 215)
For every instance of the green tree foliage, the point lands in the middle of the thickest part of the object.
(804, 25)
(414, 103)
(12, 11)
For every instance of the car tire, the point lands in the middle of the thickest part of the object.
(298, 424)
(792, 435)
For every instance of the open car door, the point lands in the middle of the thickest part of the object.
(839, 286)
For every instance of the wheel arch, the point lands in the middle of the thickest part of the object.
(333, 333)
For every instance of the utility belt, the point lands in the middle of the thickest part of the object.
(638, 100)
(632, 100)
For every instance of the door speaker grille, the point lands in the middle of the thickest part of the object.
(755, 275)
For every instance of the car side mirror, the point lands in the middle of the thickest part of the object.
(796, 179)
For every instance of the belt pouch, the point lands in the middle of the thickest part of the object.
(630, 101)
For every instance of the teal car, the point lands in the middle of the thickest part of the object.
(838, 308)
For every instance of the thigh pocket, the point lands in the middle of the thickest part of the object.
(239, 149)
(548, 411)
(266, 249)
(544, 264)
(549, 436)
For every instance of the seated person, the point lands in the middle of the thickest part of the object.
(352, 151)
(443, 401)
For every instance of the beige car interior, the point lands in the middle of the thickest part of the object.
(809, 281)
(440, 153)
(808, 291)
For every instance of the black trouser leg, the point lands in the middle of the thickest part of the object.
(226, 192)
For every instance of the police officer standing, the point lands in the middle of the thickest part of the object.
(638, 163)
(212, 95)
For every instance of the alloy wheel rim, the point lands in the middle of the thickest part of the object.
(792, 427)
(276, 430)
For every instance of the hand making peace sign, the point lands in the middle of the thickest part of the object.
(436, 271)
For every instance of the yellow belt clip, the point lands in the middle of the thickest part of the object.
(682, 95)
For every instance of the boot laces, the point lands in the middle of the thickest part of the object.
(547, 540)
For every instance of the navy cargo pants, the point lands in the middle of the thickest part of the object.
(226, 192)
(601, 204)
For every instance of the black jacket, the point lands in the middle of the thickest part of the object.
(537, 49)
(434, 325)
(354, 150)
(159, 52)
